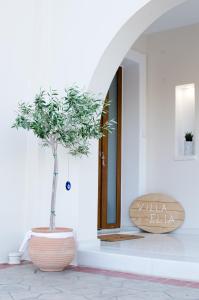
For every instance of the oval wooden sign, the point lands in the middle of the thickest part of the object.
(157, 213)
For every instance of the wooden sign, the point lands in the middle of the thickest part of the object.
(157, 213)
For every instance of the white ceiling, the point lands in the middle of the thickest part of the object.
(183, 15)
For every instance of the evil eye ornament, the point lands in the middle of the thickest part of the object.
(68, 185)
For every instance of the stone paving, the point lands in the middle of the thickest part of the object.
(27, 283)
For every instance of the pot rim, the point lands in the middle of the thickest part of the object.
(47, 230)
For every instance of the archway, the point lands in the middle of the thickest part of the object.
(106, 68)
(124, 39)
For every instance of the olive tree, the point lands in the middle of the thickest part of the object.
(71, 120)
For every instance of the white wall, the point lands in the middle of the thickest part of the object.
(130, 139)
(133, 131)
(71, 47)
(55, 43)
(16, 72)
(172, 60)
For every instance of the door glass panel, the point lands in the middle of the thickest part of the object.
(112, 157)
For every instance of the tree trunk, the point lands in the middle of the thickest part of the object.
(54, 188)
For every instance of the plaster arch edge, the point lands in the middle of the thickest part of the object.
(125, 37)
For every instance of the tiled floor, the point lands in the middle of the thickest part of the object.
(166, 255)
(27, 283)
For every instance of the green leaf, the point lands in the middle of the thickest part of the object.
(72, 120)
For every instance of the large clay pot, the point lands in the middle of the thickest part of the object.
(52, 251)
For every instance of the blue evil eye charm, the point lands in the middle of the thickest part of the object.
(68, 185)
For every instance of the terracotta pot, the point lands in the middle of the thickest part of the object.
(51, 253)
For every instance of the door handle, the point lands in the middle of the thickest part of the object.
(102, 156)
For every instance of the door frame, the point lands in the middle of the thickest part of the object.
(141, 60)
(102, 169)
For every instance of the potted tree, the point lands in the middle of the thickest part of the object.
(70, 121)
(188, 143)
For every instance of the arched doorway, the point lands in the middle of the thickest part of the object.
(124, 39)
(104, 72)
(170, 68)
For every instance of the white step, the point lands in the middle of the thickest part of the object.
(171, 257)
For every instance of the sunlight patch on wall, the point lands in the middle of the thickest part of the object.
(184, 120)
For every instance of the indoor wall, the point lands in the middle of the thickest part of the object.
(172, 59)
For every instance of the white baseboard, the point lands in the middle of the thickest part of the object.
(136, 229)
(187, 231)
(121, 229)
(81, 244)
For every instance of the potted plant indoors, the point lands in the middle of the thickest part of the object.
(70, 121)
(188, 143)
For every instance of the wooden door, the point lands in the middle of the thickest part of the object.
(109, 192)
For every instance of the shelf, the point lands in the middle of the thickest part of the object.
(185, 157)
(184, 120)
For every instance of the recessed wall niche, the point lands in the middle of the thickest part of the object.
(185, 121)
